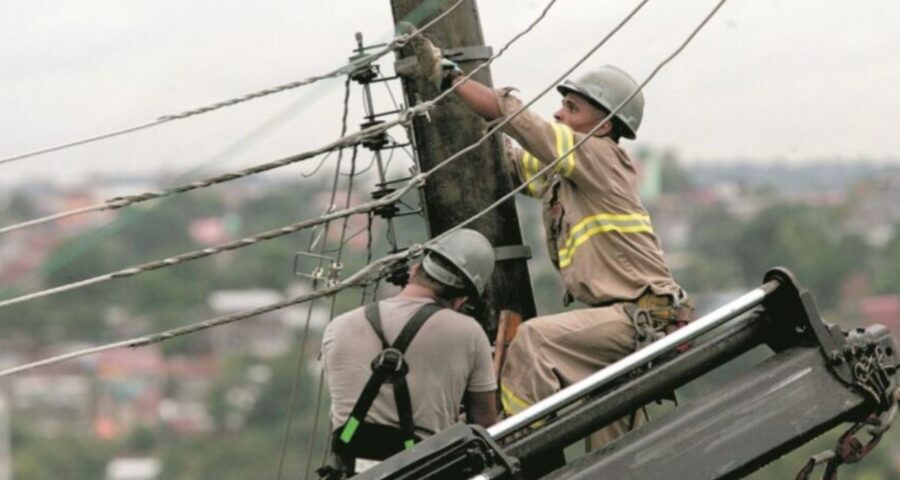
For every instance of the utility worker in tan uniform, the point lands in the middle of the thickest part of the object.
(399, 369)
(599, 235)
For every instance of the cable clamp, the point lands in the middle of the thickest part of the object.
(327, 269)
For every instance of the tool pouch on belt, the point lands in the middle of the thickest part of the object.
(654, 316)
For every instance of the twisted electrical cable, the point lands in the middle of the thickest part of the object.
(339, 257)
(312, 245)
(344, 141)
(371, 272)
(415, 181)
(397, 42)
(124, 201)
(365, 275)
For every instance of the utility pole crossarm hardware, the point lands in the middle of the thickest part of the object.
(464, 188)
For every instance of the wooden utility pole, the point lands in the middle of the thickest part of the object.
(477, 179)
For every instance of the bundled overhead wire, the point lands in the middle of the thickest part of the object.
(380, 268)
(332, 310)
(397, 42)
(350, 140)
(313, 243)
(365, 275)
(346, 140)
(223, 247)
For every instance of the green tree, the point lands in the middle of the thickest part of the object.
(887, 270)
(713, 261)
(75, 458)
(806, 240)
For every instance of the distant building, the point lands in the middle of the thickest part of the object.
(190, 380)
(265, 336)
(876, 209)
(55, 403)
(882, 309)
(129, 387)
(137, 468)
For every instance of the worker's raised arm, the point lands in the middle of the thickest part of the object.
(479, 97)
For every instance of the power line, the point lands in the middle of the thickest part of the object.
(128, 200)
(339, 257)
(397, 42)
(372, 271)
(312, 244)
(316, 415)
(317, 168)
(234, 147)
(344, 141)
(415, 181)
(365, 275)
(223, 247)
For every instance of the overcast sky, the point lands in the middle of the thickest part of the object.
(767, 79)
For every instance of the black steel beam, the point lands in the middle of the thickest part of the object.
(746, 332)
(777, 406)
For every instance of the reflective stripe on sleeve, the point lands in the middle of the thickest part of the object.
(565, 140)
(530, 167)
(600, 224)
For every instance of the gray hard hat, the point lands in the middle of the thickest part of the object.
(608, 87)
(467, 250)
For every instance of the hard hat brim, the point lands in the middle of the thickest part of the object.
(569, 86)
(442, 275)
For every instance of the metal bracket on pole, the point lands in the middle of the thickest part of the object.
(458, 55)
(512, 252)
(469, 54)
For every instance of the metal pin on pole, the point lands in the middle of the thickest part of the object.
(369, 108)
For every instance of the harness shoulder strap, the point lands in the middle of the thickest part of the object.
(401, 389)
(413, 325)
(373, 315)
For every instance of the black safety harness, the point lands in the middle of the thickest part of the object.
(357, 438)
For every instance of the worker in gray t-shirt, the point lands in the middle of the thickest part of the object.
(412, 352)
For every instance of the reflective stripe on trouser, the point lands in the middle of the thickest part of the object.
(552, 352)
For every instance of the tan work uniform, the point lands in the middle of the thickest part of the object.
(447, 358)
(601, 240)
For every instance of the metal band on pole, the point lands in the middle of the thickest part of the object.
(647, 354)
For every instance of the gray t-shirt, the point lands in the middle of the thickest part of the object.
(449, 356)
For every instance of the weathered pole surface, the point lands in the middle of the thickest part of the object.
(477, 179)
